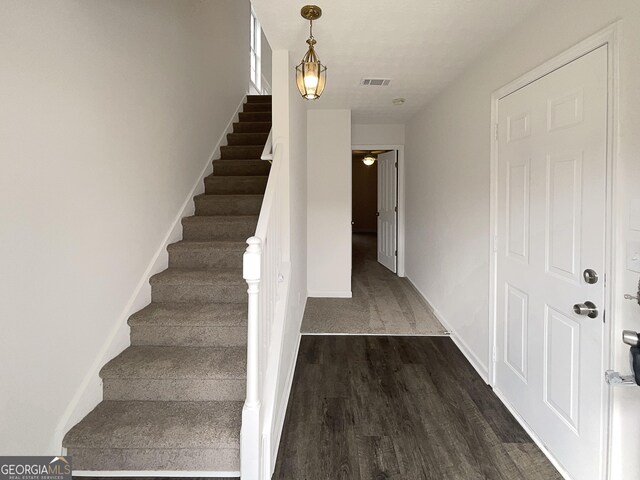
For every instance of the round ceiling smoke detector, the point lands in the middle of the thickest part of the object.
(398, 101)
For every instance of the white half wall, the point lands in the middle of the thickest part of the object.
(447, 190)
(110, 112)
(290, 129)
(329, 203)
(382, 134)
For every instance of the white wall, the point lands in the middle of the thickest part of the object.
(110, 112)
(290, 129)
(383, 134)
(329, 203)
(447, 174)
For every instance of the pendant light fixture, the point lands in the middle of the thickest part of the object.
(369, 160)
(311, 75)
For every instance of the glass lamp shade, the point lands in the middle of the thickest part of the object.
(311, 76)
(368, 160)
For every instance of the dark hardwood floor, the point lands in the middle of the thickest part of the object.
(410, 408)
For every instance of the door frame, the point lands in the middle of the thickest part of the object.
(609, 37)
(401, 204)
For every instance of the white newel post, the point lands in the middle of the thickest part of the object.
(250, 433)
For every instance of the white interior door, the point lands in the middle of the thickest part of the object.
(550, 228)
(387, 210)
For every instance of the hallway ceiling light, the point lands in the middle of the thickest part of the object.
(398, 101)
(311, 75)
(369, 160)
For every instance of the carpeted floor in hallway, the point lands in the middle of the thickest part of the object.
(382, 303)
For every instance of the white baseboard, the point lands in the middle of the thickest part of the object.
(89, 393)
(153, 473)
(338, 334)
(329, 294)
(533, 436)
(473, 359)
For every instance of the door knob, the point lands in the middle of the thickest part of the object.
(587, 308)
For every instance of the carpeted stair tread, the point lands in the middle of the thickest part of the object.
(176, 373)
(254, 116)
(233, 185)
(247, 138)
(158, 425)
(241, 167)
(236, 204)
(180, 363)
(195, 245)
(190, 325)
(258, 98)
(222, 244)
(252, 127)
(206, 255)
(190, 315)
(188, 276)
(197, 285)
(239, 152)
(219, 227)
(256, 107)
(219, 219)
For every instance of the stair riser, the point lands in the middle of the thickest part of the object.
(235, 185)
(219, 231)
(254, 117)
(241, 152)
(224, 205)
(251, 127)
(259, 99)
(189, 336)
(241, 167)
(206, 258)
(256, 107)
(199, 293)
(241, 139)
(171, 459)
(174, 390)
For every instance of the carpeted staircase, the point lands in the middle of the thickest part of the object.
(173, 399)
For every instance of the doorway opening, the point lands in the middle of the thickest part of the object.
(374, 217)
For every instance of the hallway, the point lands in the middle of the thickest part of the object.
(399, 408)
(382, 302)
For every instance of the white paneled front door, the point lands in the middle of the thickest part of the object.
(387, 210)
(551, 207)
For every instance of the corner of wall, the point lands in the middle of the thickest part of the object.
(476, 363)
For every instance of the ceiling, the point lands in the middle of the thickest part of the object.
(422, 45)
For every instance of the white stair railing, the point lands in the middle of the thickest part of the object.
(267, 151)
(264, 272)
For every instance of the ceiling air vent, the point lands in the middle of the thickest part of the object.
(375, 82)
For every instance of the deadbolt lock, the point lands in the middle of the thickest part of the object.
(590, 276)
